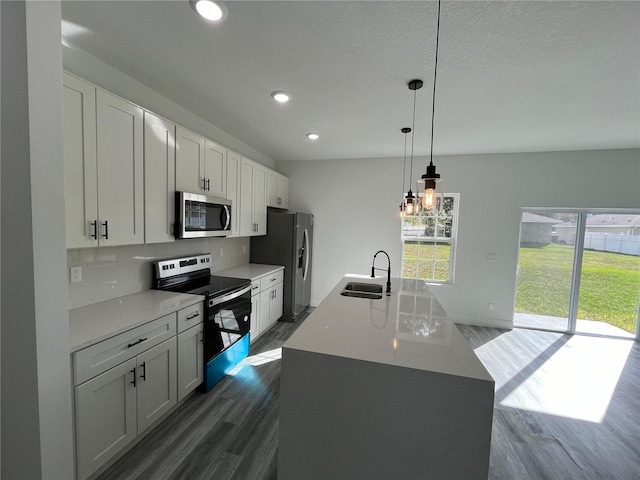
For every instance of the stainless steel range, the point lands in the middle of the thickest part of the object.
(227, 310)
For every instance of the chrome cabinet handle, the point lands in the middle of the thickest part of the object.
(197, 314)
(105, 224)
(133, 380)
(94, 226)
(144, 371)
(208, 184)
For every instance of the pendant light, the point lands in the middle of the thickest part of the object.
(431, 178)
(404, 130)
(411, 205)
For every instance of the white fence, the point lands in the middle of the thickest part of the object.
(613, 242)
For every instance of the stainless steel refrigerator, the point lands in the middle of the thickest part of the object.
(288, 242)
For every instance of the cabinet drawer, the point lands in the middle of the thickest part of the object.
(190, 317)
(255, 286)
(271, 279)
(98, 358)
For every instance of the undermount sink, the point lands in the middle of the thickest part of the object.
(362, 290)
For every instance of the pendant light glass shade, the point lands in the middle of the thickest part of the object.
(431, 178)
(402, 212)
(411, 205)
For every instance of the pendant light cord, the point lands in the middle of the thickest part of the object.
(404, 165)
(435, 74)
(413, 129)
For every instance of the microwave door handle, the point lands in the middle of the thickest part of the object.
(227, 215)
(217, 301)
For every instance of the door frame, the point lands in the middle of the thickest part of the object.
(578, 252)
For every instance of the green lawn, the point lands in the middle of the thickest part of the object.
(420, 260)
(608, 291)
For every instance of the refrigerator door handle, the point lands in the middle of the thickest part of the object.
(306, 255)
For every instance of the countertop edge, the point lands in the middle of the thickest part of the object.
(82, 315)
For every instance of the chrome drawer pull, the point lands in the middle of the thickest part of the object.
(197, 314)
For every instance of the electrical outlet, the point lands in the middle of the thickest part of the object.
(490, 306)
(76, 274)
(491, 257)
(221, 252)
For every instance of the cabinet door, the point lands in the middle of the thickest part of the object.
(264, 313)
(260, 199)
(282, 196)
(120, 171)
(105, 417)
(255, 316)
(233, 190)
(246, 222)
(276, 302)
(189, 161)
(157, 387)
(80, 173)
(215, 169)
(272, 188)
(190, 360)
(159, 179)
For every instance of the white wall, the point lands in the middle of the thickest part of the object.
(355, 204)
(103, 75)
(36, 393)
(116, 271)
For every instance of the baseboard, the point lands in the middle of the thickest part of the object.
(481, 321)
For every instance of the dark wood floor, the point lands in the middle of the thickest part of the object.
(566, 408)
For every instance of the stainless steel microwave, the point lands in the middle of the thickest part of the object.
(200, 216)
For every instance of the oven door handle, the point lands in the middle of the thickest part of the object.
(218, 300)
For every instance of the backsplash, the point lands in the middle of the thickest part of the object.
(111, 272)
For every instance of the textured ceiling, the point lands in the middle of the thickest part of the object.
(513, 76)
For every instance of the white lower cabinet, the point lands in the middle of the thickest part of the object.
(126, 383)
(266, 301)
(116, 406)
(270, 305)
(190, 360)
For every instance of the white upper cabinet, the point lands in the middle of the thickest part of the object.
(253, 198)
(277, 190)
(233, 189)
(159, 179)
(201, 165)
(189, 161)
(80, 169)
(215, 169)
(120, 171)
(103, 144)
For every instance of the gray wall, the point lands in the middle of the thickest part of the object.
(36, 388)
(355, 204)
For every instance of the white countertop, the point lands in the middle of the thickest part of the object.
(408, 329)
(94, 323)
(249, 271)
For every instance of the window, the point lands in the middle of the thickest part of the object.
(428, 241)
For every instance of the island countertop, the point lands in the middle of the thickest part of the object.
(407, 329)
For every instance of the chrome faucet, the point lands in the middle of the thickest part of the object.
(373, 269)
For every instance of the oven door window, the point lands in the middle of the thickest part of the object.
(234, 316)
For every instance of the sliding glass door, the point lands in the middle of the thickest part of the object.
(579, 272)
(610, 276)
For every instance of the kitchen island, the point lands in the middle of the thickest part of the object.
(383, 388)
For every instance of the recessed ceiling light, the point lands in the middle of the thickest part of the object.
(281, 97)
(313, 136)
(212, 11)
